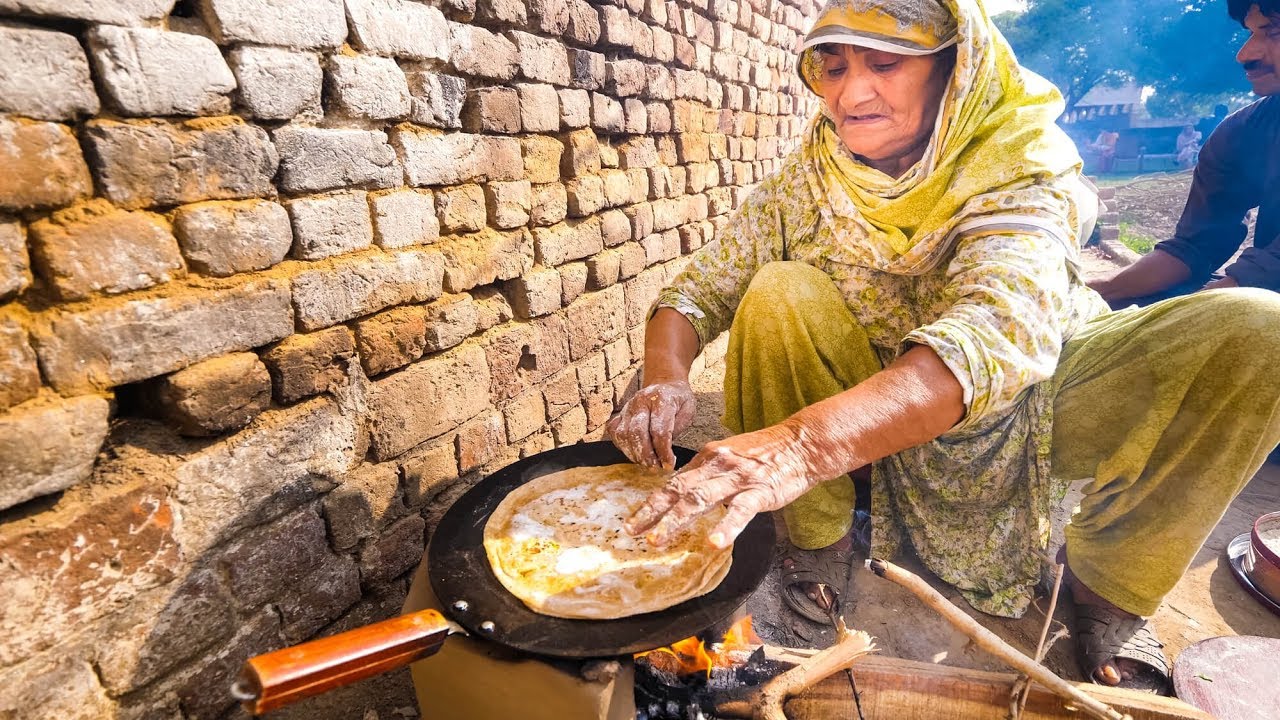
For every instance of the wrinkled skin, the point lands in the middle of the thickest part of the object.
(650, 420)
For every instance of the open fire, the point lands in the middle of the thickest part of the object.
(692, 655)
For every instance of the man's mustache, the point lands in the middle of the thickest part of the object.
(1253, 65)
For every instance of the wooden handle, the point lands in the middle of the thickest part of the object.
(285, 676)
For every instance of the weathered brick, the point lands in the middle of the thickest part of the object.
(641, 292)
(394, 553)
(366, 501)
(479, 259)
(641, 217)
(660, 247)
(427, 471)
(43, 165)
(45, 75)
(224, 238)
(212, 397)
(19, 376)
(120, 12)
(550, 16)
(616, 187)
(315, 159)
(586, 195)
(615, 228)
(509, 203)
(476, 51)
(427, 399)
(539, 108)
(479, 440)
(15, 268)
(436, 99)
(449, 321)
(307, 24)
(608, 155)
(525, 415)
(561, 393)
(584, 23)
(522, 355)
(535, 293)
(615, 26)
(573, 281)
(436, 159)
(309, 363)
(664, 48)
(392, 339)
(461, 209)
(95, 247)
(606, 114)
(368, 87)
(599, 406)
(570, 427)
(575, 108)
(361, 285)
(594, 320)
(617, 357)
(635, 117)
(276, 83)
(399, 28)
(624, 77)
(404, 217)
(581, 154)
(139, 164)
(327, 225)
(659, 117)
(541, 59)
(603, 269)
(261, 565)
(588, 70)
(631, 260)
(152, 72)
(502, 12)
(541, 158)
(550, 204)
(491, 110)
(49, 446)
(561, 243)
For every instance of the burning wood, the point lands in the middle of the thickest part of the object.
(691, 655)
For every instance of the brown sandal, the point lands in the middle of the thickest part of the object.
(828, 568)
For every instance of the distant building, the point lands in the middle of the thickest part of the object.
(1146, 143)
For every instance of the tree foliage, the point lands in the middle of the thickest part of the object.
(1184, 49)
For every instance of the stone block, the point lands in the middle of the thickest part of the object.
(49, 446)
(659, 117)
(603, 269)
(368, 87)
(428, 470)
(581, 154)
(427, 399)
(461, 209)
(328, 225)
(502, 12)
(146, 72)
(120, 12)
(115, 343)
(366, 501)
(594, 320)
(138, 164)
(535, 293)
(624, 77)
(641, 217)
(635, 117)
(525, 415)
(394, 553)
(399, 28)
(315, 159)
(584, 23)
(479, 441)
(436, 99)
(223, 238)
(486, 256)
(509, 203)
(391, 339)
(615, 228)
(434, 159)
(573, 281)
(539, 108)
(492, 308)
(522, 355)
(551, 17)
(549, 205)
(575, 108)
(492, 110)
(586, 195)
(212, 397)
(561, 393)
(606, 114)
(43, 165)
(449, 321)
(598, 405)
(561, 243)
(617, 187)
(357, 286)
(404, 217)
(588, 70)
(615, 26)
(570, 427)
(19, 376)
(541, 158)
(541, 59)
(97, 248)
(309, 363)
(276, 83)
(15, 268)
(304, 24)
(45, 76)
(617, 357)
(632, 259)
(478, 52)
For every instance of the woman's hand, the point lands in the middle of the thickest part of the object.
(752, 472)
(655, 415)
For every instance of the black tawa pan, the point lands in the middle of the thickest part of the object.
(473, 597)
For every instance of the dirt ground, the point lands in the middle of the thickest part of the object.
(1207, 603)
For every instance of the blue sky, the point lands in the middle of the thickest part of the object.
(995, 7)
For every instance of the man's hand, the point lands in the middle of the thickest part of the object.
(751, 473)
(655, 415)
(1226, 282)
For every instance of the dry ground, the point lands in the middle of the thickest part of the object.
(1206, 603)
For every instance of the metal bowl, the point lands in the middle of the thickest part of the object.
(1262, 562)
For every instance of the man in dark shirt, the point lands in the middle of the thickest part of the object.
(1239, 170)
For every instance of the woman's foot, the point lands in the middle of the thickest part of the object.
(814, 581)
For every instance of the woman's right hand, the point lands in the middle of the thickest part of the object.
(657, 413)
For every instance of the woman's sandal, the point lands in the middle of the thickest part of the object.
(1104, 634)
(826, 567)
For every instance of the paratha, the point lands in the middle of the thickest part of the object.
(558, 544)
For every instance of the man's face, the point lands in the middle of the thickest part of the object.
(1260, 55)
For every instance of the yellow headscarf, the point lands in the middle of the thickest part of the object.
(987, 167)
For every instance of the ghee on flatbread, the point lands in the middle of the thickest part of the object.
(558, 544)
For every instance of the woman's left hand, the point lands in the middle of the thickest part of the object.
(751, 473)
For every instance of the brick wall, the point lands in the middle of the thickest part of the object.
(279, 279)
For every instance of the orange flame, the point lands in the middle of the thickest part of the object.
(691, 655)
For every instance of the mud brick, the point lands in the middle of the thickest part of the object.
(615, 26)
(479, 441)
(641, 292)
(591, 372)
(479, 259)
(606, 114)
(542, 157)
(212, 397)
(561, 393)
(573, 281)
(314, 159)
(404, 217)
(461, 209)
(525, 415)
(427, 399)
(43, 166)
(492, 109)
(392, 339)
(502, 12)
(542, 59)
(357, 286)
(539, 108)
(15, 267)
(49, 446)
(631, 260)
(276, 83)
(509, 203)
(550, 16)
(561, 243)
(367, 500)
(581, 154)
(586, 195)
(550, 204)
(588, 70)
(368, 87)
(309, 363)
(478, 52)
(599, 406)
(617, 187)
(624, 77)
(659, 117)
(575, 108)
(427, 471)
(641, 217)
(304, 24)
(664, 46)
(594, 320)
(603, 269)
(535, 293)
(19, 376)
(522, 355)
(570, 427)
(436, 99)
(328, 225)
(450, 320)
(431, 158)
(584, 23)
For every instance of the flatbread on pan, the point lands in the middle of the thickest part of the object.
(558, 544)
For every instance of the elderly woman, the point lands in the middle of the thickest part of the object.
(904, 295)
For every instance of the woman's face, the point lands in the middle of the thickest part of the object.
(883, 105)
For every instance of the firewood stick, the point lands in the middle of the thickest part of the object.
(990, 642)
(851, 646)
